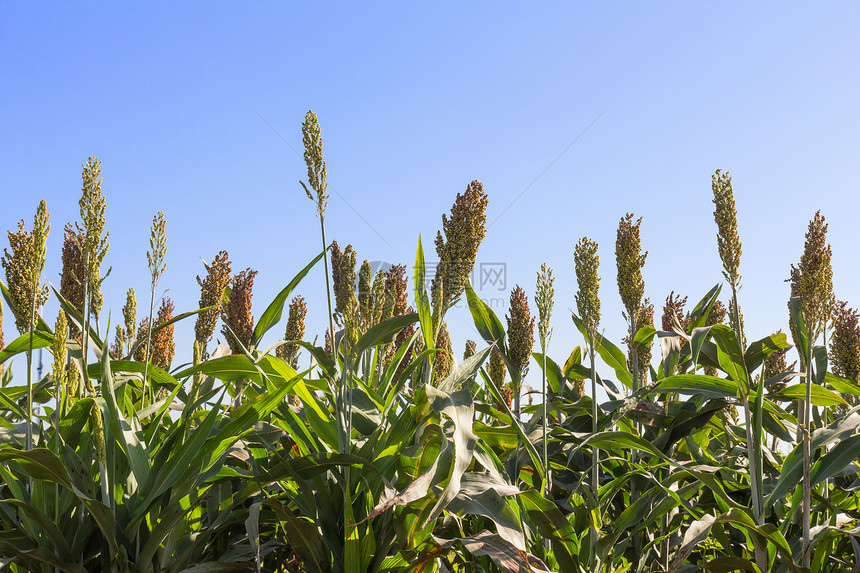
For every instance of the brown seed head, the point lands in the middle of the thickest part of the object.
(673, 310)
(845, 342)
(295, 331)
(72, 277)
(238, 319)
(630, 260)
(470, 349)
(365, 294)
(726, 217)
(521, 326)
(457, 250)
(163, 345)
(774, 364)
(212, 294)
(343, 279)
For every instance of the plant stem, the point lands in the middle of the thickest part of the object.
(143, 394)
(807, 455)
(29, 430)
(547, 485)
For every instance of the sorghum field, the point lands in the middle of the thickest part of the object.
(398, 451)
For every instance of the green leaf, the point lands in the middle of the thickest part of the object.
(730, 357)
(821, 396)
(761, 349)
(273, 312)
(383, 333)
(693, 384)
(422, 301)
(488, 324)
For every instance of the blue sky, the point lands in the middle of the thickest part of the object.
(187, 104)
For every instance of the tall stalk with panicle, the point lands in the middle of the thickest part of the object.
(587, 263)
(729, 248)
(94, 247)
(630, 259)
(24, 268)
(816, 303)
(544, 293)
(845, 345)
(313, 143)
(155, 259)
(218, 274)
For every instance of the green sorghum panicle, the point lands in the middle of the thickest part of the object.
(295, 330)
(119, 342)
(157, 247)
(129, 316)
(343, 279)
(72, 277)
(521, 326)
(630, 260)
(726, 217)
(61, 334)
(217, 279)
(41, 228)
(23, 268)
(365, 294)
(97, 428)
(238, 318)
(73, 382)
(544, 295)
(313, 143)
(457, 244)
(378, 295)
(587, 264)
(95, 247)
(815, 278)
(443, 362)
(774, 364)
(734, 324)
(497, 368)
(717, 315)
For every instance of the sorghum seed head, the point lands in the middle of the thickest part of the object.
(587, 263)
(163, 345)
(845, 342)
(544, 294)
(238, 319)
(97, 428)
(61, 334)
(20, 266)
(95, 247)
(726, 217)
(470, 349)
(458, 249)
(443, 363)
(497, 368)
(815, 286)
(313, 143)
(630, 260)
(212, 294)
(521, 325)
(295, 331)
(74, 271)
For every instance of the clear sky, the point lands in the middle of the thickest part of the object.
(571, 114)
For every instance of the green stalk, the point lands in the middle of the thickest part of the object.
(807, 454)
(547, 485)
(143, 394)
